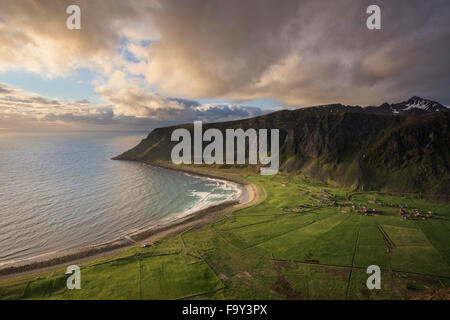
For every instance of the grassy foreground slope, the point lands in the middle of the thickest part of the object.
(304, 240)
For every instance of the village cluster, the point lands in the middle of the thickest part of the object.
(326, 199)
(415, 213)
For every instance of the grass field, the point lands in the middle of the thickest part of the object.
(305, 240)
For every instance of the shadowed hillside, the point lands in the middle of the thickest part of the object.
(401, 147)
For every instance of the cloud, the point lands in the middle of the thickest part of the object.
(129, 98)
(300, 52)
(34, 36)
(26, 111)
(3, 90)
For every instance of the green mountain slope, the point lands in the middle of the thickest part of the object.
(350, 146)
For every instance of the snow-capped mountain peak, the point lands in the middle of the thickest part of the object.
(422, 104)
(416, 104)
(413, 105)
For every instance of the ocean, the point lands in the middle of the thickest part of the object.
(62, 191)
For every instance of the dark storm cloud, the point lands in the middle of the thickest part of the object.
(302, 52)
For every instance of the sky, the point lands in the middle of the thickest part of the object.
(140, 64)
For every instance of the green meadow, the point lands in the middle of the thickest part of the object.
(303, 240)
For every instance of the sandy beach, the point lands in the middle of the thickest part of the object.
(55, 260)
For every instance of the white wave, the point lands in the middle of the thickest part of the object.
(209, 199)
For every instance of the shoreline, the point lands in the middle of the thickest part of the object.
(52, 261)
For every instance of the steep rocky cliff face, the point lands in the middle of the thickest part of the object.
(366, 148)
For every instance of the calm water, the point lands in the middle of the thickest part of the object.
(62, 191)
